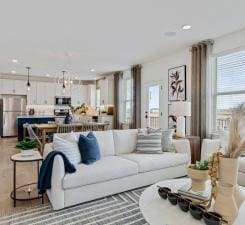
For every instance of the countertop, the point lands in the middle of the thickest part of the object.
(40, 116)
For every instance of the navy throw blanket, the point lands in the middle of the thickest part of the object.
(44, 179)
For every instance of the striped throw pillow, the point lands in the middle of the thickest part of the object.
(149, 142)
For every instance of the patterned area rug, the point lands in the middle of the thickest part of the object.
(120, 209)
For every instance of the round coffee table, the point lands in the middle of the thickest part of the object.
(158, 211)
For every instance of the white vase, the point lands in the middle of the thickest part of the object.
(228, 173)
(225, 203)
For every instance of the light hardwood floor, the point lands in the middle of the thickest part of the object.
(26, 173)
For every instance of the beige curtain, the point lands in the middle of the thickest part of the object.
(200, 54)
(136, 108)
(117, 78)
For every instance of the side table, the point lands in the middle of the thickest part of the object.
(195, 144)
(27, 191)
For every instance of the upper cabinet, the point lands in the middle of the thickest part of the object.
(45, 93)
(79, 94)
(106, 87)
(60, 92)
(8, 86)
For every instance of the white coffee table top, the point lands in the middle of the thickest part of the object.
(158, 211)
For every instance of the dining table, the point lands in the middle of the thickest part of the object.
(51, 128)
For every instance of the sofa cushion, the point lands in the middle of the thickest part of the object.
(149, 142)
(89, 148)
(108, 168)
(105, 141)
(149, 162)
(68, 145)
(242, 164)
(125, 141)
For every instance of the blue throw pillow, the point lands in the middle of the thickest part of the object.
(89, 148)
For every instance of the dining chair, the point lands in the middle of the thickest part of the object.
(33, 136)
(65, 128)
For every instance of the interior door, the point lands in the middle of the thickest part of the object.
(153, 105)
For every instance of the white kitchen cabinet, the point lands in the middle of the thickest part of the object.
(32, 94)
(9, 86)
(79, 94)
(45, 93)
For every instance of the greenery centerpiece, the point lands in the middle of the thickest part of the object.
(27, 147)
(199, 174)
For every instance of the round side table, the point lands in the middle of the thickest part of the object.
(27, 191)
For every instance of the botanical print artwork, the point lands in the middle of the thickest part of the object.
(177, 83)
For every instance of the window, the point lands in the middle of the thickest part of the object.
(230, 86)
(126, 98)
(98, 98)
(128, 101)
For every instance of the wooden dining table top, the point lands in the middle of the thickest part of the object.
(55, 125)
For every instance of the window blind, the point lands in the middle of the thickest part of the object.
(230, 80)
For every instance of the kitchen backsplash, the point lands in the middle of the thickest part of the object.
(41, 109)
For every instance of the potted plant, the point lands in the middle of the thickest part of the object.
(199, 174)
(27, 147)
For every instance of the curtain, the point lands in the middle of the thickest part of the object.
(136, 108)
(200, 56)
(117, 78)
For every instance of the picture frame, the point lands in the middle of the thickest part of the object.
(177, 83)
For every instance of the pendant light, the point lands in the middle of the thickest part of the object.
(28, 79)
(63, 85)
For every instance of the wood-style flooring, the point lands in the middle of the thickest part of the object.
(25, 173)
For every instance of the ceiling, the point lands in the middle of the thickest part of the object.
(106, 35)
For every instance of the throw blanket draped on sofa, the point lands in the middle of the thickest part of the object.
(44, 179)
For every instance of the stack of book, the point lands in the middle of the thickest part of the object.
(204, 196)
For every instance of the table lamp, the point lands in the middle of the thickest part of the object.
(180, 110)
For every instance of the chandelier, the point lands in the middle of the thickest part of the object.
(65, 80)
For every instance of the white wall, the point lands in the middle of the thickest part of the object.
(230, 42)
(157, 71)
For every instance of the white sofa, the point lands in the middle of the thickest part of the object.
(120, 169)
(209, 146)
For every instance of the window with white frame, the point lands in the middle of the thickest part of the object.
(230, 86)
(126, 98)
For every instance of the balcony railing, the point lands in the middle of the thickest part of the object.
(154, 122)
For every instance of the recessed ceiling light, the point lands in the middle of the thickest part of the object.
(170, 34)
(47, 75)
(186, 27)
(15, 60)
(13, 71)
(92, 70)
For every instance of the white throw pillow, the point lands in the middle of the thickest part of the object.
(68, 145)
(167, 141)
(149, 142)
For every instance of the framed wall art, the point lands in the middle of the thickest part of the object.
(177, 83)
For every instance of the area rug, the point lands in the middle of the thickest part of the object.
(120, 209)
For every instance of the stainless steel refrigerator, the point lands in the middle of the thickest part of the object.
(11, 106)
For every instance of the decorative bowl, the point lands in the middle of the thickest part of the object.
(196, 211)
(163, 192)
(173, 198)
(184, 204)
(212, 218)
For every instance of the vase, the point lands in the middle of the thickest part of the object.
(228, 173)
(225, 203)
(198, 178)
(26, 153)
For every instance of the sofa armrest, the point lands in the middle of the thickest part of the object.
(47, 149)
(209, 146)
(183, 146)
(56, 194)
